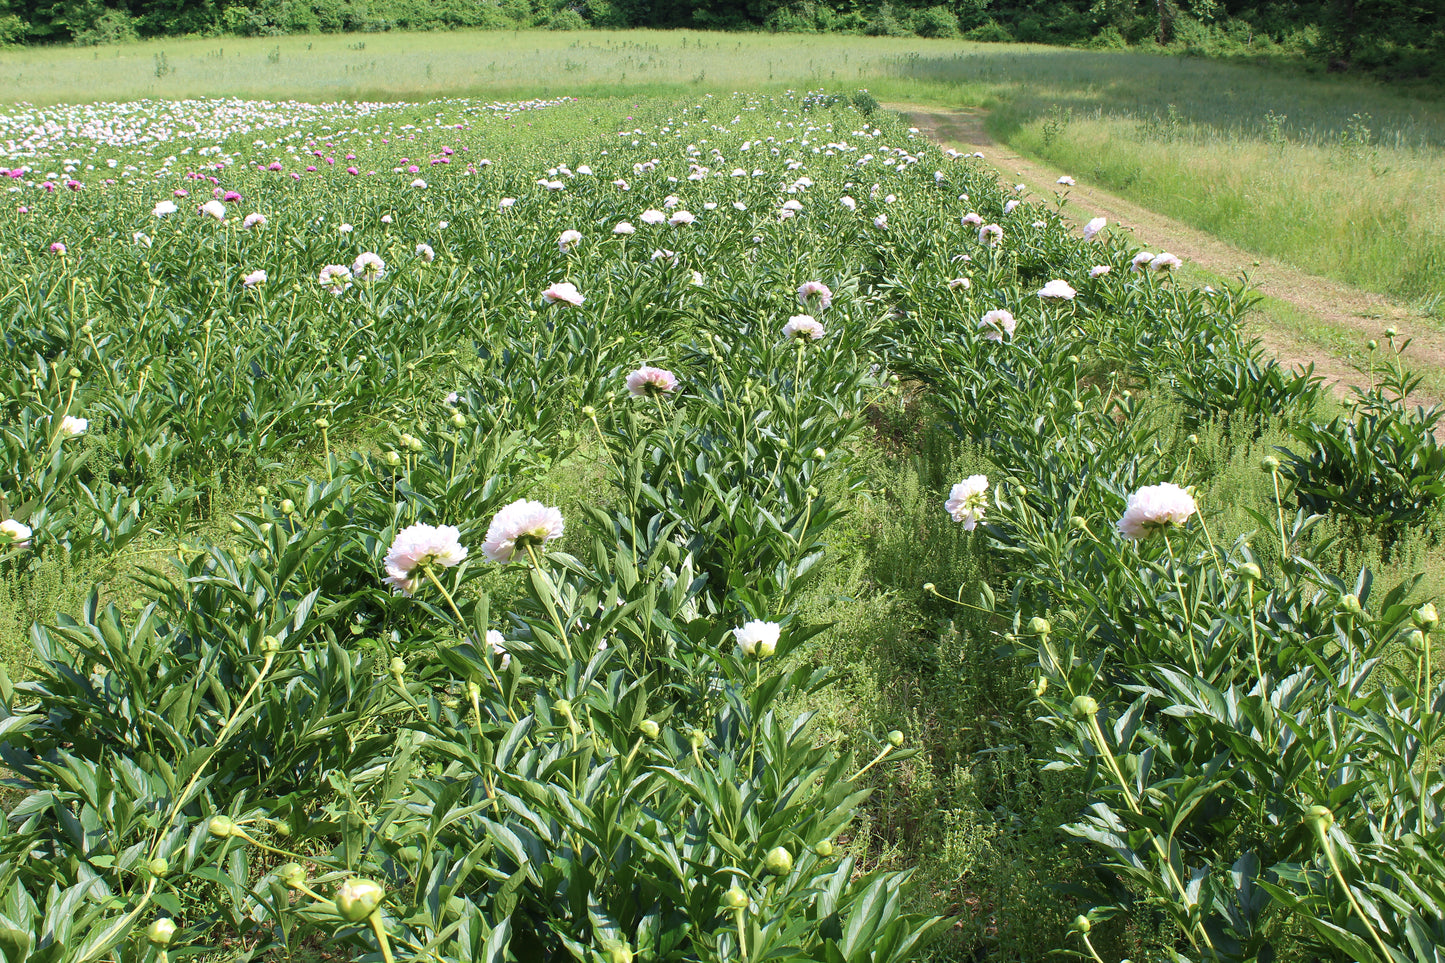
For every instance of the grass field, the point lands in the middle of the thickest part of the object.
(1326, 174)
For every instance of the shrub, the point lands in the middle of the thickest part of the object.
(566, 19)
(935, 22)
(990, 31)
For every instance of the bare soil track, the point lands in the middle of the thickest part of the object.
(1355, 314)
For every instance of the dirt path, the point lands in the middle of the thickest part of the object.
(1358, 315)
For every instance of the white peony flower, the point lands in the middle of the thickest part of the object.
(967, 501)
(1154, 508)
(803, 326)
(520, 525)
(418, 547)
(1057, 290)
(758, 638)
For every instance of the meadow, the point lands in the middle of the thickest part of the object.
(1324, 173)
(727, 527)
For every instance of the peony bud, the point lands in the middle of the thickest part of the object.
(1040, 626)
(1426, 618)
(270, 644)
(356, 899)
(1081, 924)
(619, 953)
(736, 899)
(292, 874)
(1084, 707)
(262, 491)
(649, 729)
(779, 861)
(158, 867)
(819, 453)
(393, 459)
(161, 931)
(1319, 818)
(221, 827)
(1350, 604)
(287, 506)
(1269, 463)
(398, 667)
(1250, 572)
(895, 738)
(823, 848)
(322, 423)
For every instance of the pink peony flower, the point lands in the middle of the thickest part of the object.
(425, 252)
(519, 525)
(652, 217)
(990, 234)
(563, 292)
(624, 228)
(70, 426)
(1094, 227)
(1057, 291)
(649, 382)
(253, 279)
(1141, 261)
(213, 209)
(997, 324)
(967, 500)
(681, 217)
(418, 547)
(1066, 180)
(335, 278)
(254, 220)
(803, 326)
(568, 240)
(814, 294)
(1099, 270)
(957, 283)
(1165, 262)
(368, 267)
(1154, 508)
(971, 220)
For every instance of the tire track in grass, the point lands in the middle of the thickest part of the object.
(1312, 320)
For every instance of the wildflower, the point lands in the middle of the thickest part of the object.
(72, 426)
(957, 283)
(758, 638)
(803, 326)
(564, 292)
(653, 217)
(1066, 180)
(624, 227)
(253, 279)
(967, 500)
(425, 252)
(335, 278)
(58, 247)
(1165, 262)
(254, 220)
(650, 382)
(14, 534)
(418, 547)
(506, 202)
(568, 240)
(681, 217)
(163, 208)
(990, 234)
(848, 203)
(1141, 260)
(368, 267)
(1057, 290)
(520, 525)
(1099, 270)
(1011, 206)
(213, 209)
(1094, 227)
(971, 220)
(418, 183)
(815, 292)
(997, 324)
(1154, 508)
(231, 197)
(346, 228)
(881, 221)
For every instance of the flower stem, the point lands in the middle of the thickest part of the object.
(1183, 603)
(484, 648)
(380, 931)
(1324, 834)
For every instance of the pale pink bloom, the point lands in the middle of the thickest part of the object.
(793, 205)
(1057, 290)
(1165, 262)
(990, 234)
(664, 255)
(815, 293)
(803, 326)
(1094, 227)
(497, 643)
(881, 221)
(519, 525)
(785, 214)
(554, 185)
(425, 252)
(624, 228)
(335, 278)
(1099, 270)
(848, 203)
(653, 216)
(671, 201)
(621, 185)
(368, 267)
(386, 218)
(506, 202)
(213, 209)
(419, 547)
(1141, 261)
(758, 638)
(971, 220)
(253, 279)
(163, 208)
(254, 220)
(1154, 508)
(649, 382)
(967, 501)
(568, 240)
(563, 292)
(957, 283)
(72, 426)
(418, 183)
(1009, 207)
(997, 324)
(681, 217)
(1066, 180)
(15, 534)
(345, 228)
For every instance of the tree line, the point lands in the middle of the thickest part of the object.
(1391, 38)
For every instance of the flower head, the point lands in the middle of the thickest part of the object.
(1154, 508)
(253, 279)
(13, 534)
(649, 382)
(1099, 270)
(519, 525)
(803, 326)
(563, 292)
(653, 216)
(990, 234)
(758, 638)
(1094, 227)
(1164, 262)
(497, 643)
(814, 294)
(568, 240)
(1057, 290)
(425, 252)
(681, 217)
(335, 278)
(418, 547)
(956, 283)
(967, 500)
(163, 208)
(72, 426)
(213, 209)
(368, 267)
(254, 220)
(1066, 180)
(623, 227)
(1141, 261)
(997, 324)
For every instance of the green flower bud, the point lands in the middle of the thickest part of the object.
(1193, 439)
(563, 708)
(221, 827)
(292, 874)
(459, 420)
(619, 953)
(1081, 924)
(357, 899)
(928, 587)
(736, 899)
(589, 411)
(819, 453)
(1269, 463)
(270, 644)
(779, 861)
(1426, 618)
(1250, 572)
(1350, 604)
(895, 738)
(1041, 685)
(1039, 625)
(161, 931)
(287, 506)
(1084, 707)
(1391, 333)
(649, 729)
(1319, 818)
(262, 491)
(398, 667)
(1079, 523)
(823, 848)
(697, 738)
(322, 423)
(1415, 639)
(393, 459)
(158, 867)
(1372, 345)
